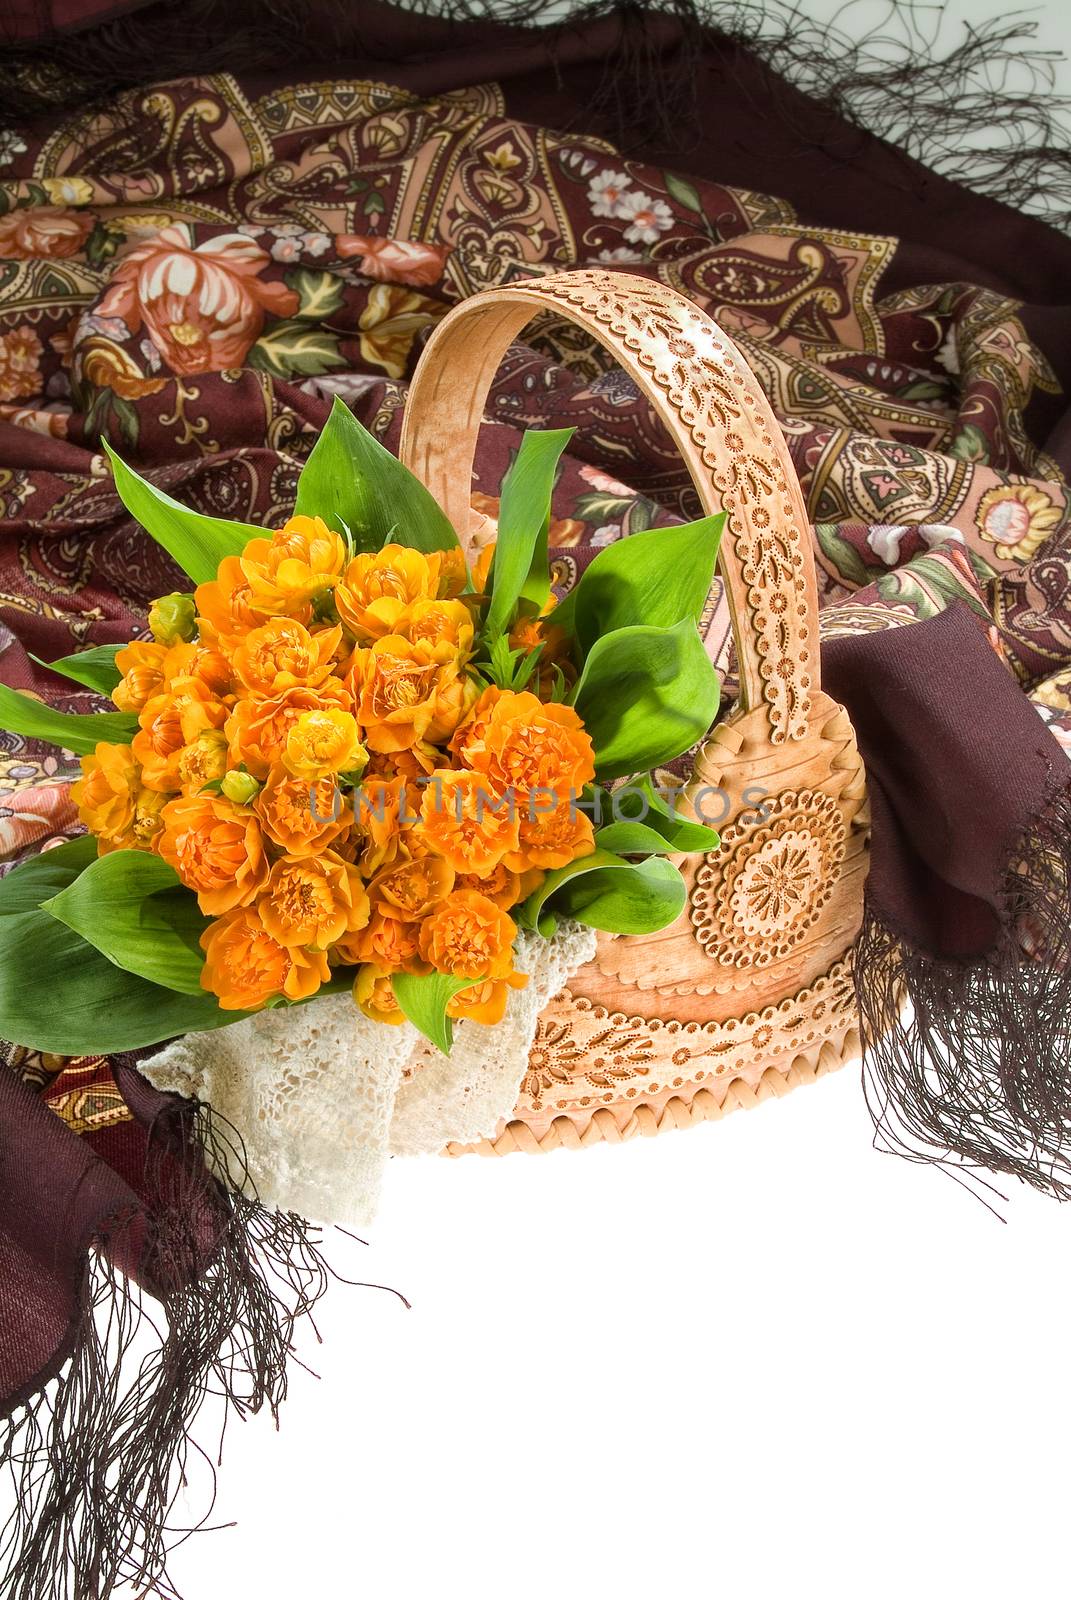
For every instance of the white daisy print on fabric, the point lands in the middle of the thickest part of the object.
(647, 218)
(606, 191)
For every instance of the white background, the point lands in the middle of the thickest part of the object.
(753, 1360)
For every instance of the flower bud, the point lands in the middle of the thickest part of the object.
(241, 787)
(173, 618)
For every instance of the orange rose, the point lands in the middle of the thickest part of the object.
(374, 993)
(386, 943)
(466, 822)
(283, 654)
(525, 747)
(485, 1002)
(112, 801)
(376, 589)
(216, 849)
(298, 562)
(396, 689)
(141, 664)
(245, 967)
(225, 609)
(168, 723)
(313, 901)
(409, 889)
(444, 626)
(551, 839)
(302, 818)
(469, 936)
(257, 729)
(323, 742)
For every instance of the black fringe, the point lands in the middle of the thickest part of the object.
(982, 111)
(968, 1063)
(99, 1456)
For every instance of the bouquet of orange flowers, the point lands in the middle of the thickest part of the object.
(343, 760)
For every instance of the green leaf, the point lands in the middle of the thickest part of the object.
(68, 729)
(520, 566)
(95, 668)
(685, 193)
(645, 696)
(359, 488)
(320, 294)
(58, 993)
(603, 891)
(296, 350)
(654, 579)
(424, 998)
(633, 839)
(45, 874)
(197, 543)
(641, 802)
(130, 906)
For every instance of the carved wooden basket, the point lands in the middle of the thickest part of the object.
(748, 993)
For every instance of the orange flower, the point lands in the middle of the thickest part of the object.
(323, 742)
(225, 609)
(467, 822)
(409, 889)
(245, 967)
(374, 993)
(382, 809)
(300, 561)
(482, 570)
(203, 761)
(376, 589)
(450, 572)
(283, 654)
(552, 838)
(528, 634)
(386, 943)
(469, 936)
(108, 795)
(198, 669)
(257, 729)
(216, 849)
(445, 626)
(313, 901)
(302, 818)
(141, 664)
(525, 747)
(168, 723)
(396, 688)
(203, 305)
(485, 1002)
(502, 885)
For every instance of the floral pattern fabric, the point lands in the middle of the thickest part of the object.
(194, 271)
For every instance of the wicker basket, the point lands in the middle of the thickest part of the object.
(748, 993)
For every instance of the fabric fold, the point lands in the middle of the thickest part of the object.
(963, 964)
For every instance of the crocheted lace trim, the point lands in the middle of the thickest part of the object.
(322, 1096)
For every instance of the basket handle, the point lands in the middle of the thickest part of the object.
(712, 404)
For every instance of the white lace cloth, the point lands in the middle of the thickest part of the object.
(317, 1091)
